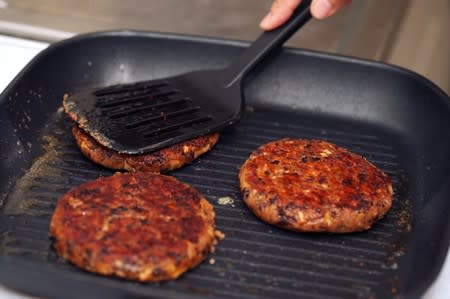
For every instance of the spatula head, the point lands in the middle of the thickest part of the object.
(145, 116)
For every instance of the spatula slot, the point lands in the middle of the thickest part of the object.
(146, 108)
(162, 116)
(124, 88)
(153, 132)
(130, 98)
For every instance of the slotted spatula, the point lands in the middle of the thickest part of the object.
(145, 116)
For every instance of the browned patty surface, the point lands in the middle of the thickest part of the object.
(139, 226)
(163, 160)
(314, 186)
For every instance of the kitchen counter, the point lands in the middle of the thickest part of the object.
(15, 54)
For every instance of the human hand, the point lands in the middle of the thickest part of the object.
(282, 10)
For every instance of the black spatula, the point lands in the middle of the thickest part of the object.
(145, 116)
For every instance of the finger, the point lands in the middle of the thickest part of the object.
(321, 9)
(279, 13)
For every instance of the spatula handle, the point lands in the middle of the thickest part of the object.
(265, 44)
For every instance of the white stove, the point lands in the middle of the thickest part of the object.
(15, 53)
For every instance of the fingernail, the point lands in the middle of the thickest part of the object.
(266, 20)
(322, 9)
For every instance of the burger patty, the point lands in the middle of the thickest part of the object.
(163, 160)
(139, 226)
(314, 186)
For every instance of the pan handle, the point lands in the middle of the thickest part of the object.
(266, 44)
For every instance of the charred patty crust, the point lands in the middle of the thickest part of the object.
(314, 186)
(163, 160)
(138, 226)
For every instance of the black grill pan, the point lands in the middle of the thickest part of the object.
(398, 120)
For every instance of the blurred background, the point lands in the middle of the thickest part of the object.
(410, 33)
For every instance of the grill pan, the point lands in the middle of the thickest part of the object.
(396, 119)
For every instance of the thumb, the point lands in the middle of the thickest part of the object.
(322, 9)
